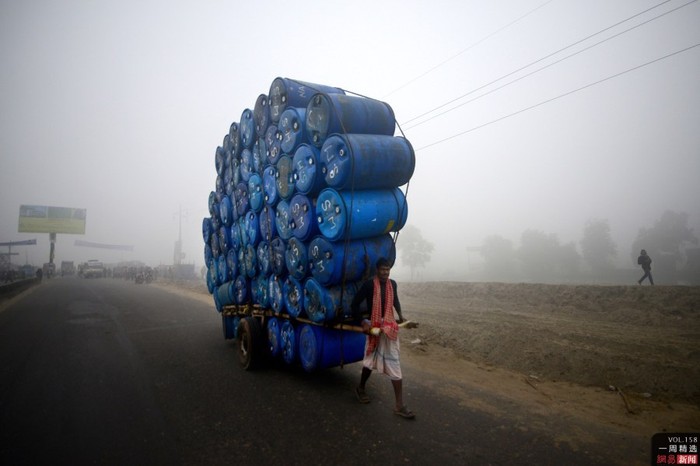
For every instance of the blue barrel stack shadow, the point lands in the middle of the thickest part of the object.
(306, 200)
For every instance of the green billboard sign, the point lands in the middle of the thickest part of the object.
(49, 219)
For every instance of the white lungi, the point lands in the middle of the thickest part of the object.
(384, 358)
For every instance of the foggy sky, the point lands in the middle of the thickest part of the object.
(118, 107)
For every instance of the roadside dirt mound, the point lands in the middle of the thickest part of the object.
(645, 340)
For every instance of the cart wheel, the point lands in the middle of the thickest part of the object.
(250, 344)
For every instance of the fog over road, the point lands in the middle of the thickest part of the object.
(105, 371)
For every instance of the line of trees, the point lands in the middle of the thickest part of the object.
(541, 257)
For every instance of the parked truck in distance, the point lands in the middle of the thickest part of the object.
(67, 268)
(92, 269)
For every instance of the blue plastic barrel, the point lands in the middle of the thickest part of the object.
(211, 203)
(277, 249)
(270, 185)
(306, 169)
(322, 348)
(289, 342)
(296, 258)
(283, 220)
(214, 243)
(293, 292)
(286, 92)
(366, 161)
(219, 157)
(268, 227)
(247, 128)
(251, 260)
(213, 272)
(336, 113)
(292, 127)
(261, 114)
(225, 294)
(275, 289)
(247, 166)
(229, 330)
(232, 263)
(206, 229)
(259, 157)
(241, 287)
(222, 269)
(235, 231)
(303, 211)
(211, 282)
(285, 177)
(224, 239)
(241, 197)
(256, 196)
(252, 228)
(325, 304)
(241, 262)
(260, 291)
(273, 144)
(234, 136)
(264, 262)
(328, 260)
(360, 214)
(273, 337)
(207, 253)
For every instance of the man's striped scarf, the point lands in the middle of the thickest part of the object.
(389, 326)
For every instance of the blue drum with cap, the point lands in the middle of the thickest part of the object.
(306, 169)
(264, 261)
(260, 291)
(275, 285)
(296, 258)
(234, 136)
(325, 304)
(293, 292)
(303, 211)
(278, 247)
(268, 227)
(332, 263)
(289, 342)
(273, 337)
(283, 220)
(292, 127)
(273, 144)
(261, 114)
(241, 287)
(256, 195)
(322, 348)
(285, 178)
(336, 113)
(270, 185)
(247, 129)
(366, 161)
(286, 92)
(360, 214)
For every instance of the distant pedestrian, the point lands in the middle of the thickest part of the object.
(645, 261)
(39, 274)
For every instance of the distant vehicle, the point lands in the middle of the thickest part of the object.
(67, 268)
(49, 269)
(93, 269)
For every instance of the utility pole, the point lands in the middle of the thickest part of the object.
(178, 254)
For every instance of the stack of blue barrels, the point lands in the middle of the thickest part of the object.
(306, 200)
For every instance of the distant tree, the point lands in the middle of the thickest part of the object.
(538, 254)
(415, 250)
(569, 260)
(597, 246)
(499, 258)
(666, 240)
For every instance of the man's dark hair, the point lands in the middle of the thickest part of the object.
(383, 262)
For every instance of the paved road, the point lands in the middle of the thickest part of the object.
(105, 371)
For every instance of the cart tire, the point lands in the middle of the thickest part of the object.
(250, 343)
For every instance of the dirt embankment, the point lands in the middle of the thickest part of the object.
(644, 340)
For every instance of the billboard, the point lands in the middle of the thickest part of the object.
(48, 219)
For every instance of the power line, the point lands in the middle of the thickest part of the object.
(536, 61)
(430, 70)
(560, 96)
(547, 66)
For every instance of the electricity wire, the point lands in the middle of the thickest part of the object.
(536, 61)
(430, 70)
(560, 96)
(546, 66)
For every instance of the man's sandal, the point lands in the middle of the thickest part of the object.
(405, 412)
(362, 397)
